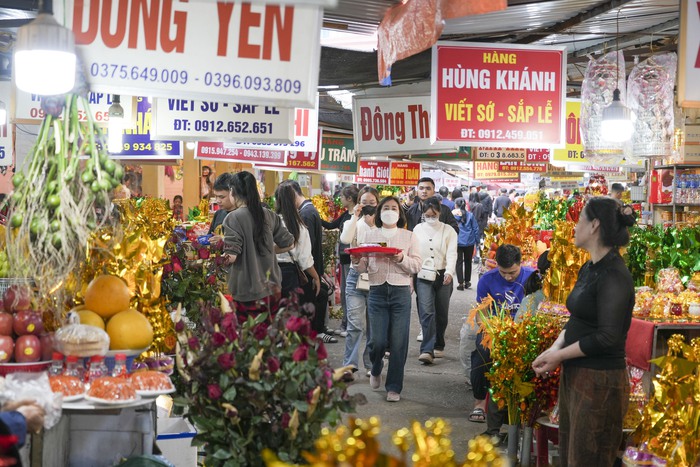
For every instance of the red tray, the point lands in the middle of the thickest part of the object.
(373, 251)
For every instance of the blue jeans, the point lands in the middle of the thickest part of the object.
(389, 308)
(433, 309)
(344, 268)
(357, 318)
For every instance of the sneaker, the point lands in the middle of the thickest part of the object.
(460, 286)
(369, 373)
(392, 396)
(342, 333)
(375, 381)
(327, 338)
(438, 353)
(339, 332)
(468, 286)
(387, 354)
(420, 337)
(426, 358)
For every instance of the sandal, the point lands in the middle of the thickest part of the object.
(477, 416)
(327, 338)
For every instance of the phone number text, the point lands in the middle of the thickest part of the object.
(502, 135)
(222, 126)
(210, 79)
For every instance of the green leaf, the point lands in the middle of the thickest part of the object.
(222, 454)
(230, 393)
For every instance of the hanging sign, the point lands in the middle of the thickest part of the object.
(204, 50)
(499, 154)
(205, 120)
(592, 168)
(6, 147)
(320, 3)
(137, 142)
(405, 173)
(463, 153)
(689, 55)
(374, 173)
(489, 170)
(393, 125)
(537, 155)
(520, 166)
(573, 151)
(338, 154)
(301, 161)
(219, 151)
(28, 108)
(498, 94)
(305, 136)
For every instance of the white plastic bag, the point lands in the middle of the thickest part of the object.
(34, 386)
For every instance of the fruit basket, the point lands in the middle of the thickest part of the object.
(32, 367)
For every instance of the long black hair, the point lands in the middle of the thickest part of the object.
(461, 204)
(245, 188)
(615, 220)
(286, 207)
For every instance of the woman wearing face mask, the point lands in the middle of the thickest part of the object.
(438, 249)
(354, 233)
(389, 301)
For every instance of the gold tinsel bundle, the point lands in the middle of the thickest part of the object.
(566, 259)
(516, 229)
(134, 251)
(356, 445)
(671, 418)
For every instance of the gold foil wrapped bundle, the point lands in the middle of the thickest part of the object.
(670, 420)
(516, 229)
(134, 251)
(356, 445)
(566, 260)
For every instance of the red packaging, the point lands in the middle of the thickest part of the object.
(655, 187)
(666, 186)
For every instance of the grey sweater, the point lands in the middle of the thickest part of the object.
(252, 276)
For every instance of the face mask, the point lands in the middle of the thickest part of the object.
(390, 217)
(431, 220)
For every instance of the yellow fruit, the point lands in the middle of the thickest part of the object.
(107, 295)
(91, 318)
(129, 329)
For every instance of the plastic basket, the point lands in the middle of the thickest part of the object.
(6, 282)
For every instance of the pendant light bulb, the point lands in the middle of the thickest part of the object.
(44, 56)
(618, 124)
(115, 126)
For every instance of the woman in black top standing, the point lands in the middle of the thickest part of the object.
(594, 389)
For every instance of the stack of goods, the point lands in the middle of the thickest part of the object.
(668, 431)
(199, 213)
(597, 185)
(22, 337)
(670, 300)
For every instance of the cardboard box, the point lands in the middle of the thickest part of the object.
(175, 441)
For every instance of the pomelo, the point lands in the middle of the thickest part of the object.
(107, 295)
(91, 318)
(129, 330)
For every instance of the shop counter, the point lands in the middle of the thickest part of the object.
(94, 435)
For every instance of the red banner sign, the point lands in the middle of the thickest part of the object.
(520, 166)
(537, 155)
(374, 172)
(405, 173)
(218, 151)
(498, 94)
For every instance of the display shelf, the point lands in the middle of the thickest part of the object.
(681, 205)
(682, 165)
(673, 205)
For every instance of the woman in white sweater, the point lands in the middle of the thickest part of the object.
(438, 249)
(354, 232)
(389, 301)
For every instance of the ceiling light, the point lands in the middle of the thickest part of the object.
(3, 113)
(331, 177)
(190, 145)
(617, 126)
(44, 58)
(115, 127)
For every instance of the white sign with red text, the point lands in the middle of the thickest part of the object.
(393, 125)
(205, 120)
(204, 50)
(6, 150)
(28, 108)
(305, 136)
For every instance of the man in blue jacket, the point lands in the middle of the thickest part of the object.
(505, 284)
